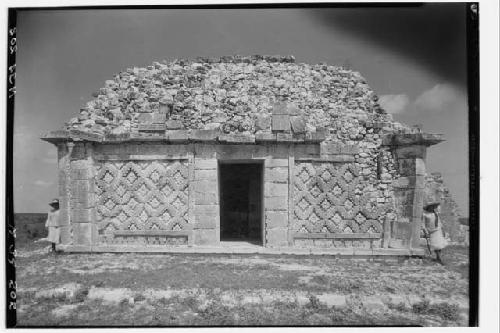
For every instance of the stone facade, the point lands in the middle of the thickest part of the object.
(140, 167)
(436, 190)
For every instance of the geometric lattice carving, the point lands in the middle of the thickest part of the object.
(141, 195)
(325, 200)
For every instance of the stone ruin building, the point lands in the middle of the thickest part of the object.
(436, 190)
(218, 153)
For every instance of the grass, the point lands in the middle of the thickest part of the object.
(237, 276)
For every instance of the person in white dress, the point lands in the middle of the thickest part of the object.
(52, 224)
(432, 228)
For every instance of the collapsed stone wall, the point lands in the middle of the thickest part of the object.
(436, 190)
(234, 94)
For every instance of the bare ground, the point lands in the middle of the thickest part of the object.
(204, 290)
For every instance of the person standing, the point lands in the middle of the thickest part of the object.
(52, 224)
(433, 229)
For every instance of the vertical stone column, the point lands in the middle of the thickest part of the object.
(205, 202)
(63, 159)
(82, 203)
(276, 202)
(411, 164)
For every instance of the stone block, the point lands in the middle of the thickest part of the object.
(332, 300)
(315, 136)
(373, 304)
(83, 233)
(145, 127)
(411, 152)
(206, 222)
(205, 164)
(306, 151)
(349, 149)
(281, 123)
(202, 211)
(206, 237)
(83, 201)
(284, 137)
(79, 187)
(65, 232)
(82, 215)
(276, 175)
(159, 118)
(237, 138)
(280, 109)
(80, 174)
(276, 162)
(276, 219)
(174, 124)
(84, 135)
(275, 189)
(207, 186)
(145, 118)
(406, 166)
(265, 137)
(277, 237)
(204, 135)
(177, 135)
(210, 174)
(262, 122)
(205, 198)
(298, 124)
(419, 167)
(330, 148)
(276, 203)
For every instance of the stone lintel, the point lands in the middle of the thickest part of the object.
(331, 158)
(411, 139)
(85, 136)
(55, 137)
(237, 138)
(204, 135)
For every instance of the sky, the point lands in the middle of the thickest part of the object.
(414, 58)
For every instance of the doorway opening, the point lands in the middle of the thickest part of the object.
(241, 206)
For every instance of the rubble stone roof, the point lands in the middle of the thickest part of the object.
(233, 94)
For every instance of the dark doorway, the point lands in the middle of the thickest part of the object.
(241, 201)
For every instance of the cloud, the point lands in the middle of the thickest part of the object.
(440, 98)
(42, 183)
(394, 103)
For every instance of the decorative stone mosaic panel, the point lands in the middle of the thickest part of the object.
(141, 195)
(328, 198)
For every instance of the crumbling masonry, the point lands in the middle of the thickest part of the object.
(146, 165)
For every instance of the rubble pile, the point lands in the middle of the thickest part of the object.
(436, 190)
(235, 94)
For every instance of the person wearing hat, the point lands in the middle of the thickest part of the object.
(52, 224)
(433, 229)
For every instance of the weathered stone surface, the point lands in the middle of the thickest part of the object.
(265, 137)
(276, 219)
(276, 175)
(83, 233)
(275, 162)
(174, 124)
(205, 174)
(276, 203)
(82, 215)
(263, 122)
(204, 164)
(177, 135)
(277, 237)
(332, 300)
(204, 135)
(275, 189)
(206, 236)
(298, 124)
(281, 122)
